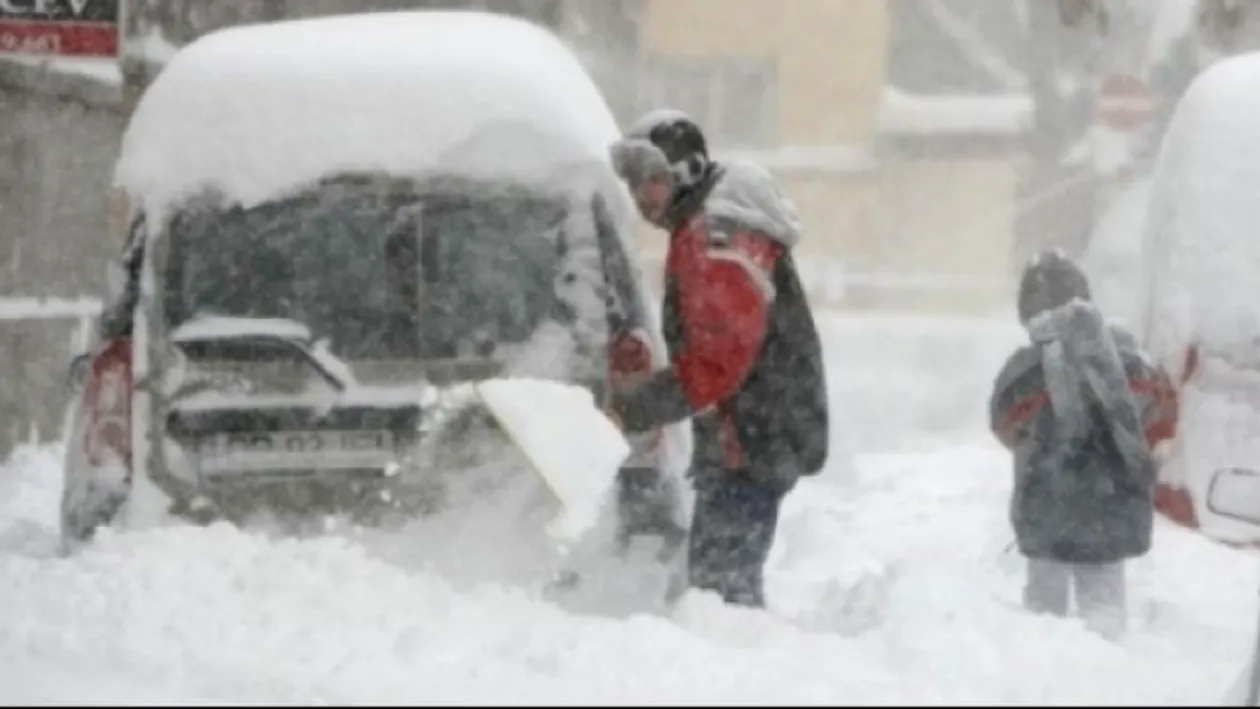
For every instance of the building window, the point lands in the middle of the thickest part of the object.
(735, 99)
(614, 27)
(960, 47)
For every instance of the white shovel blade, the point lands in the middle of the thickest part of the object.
(570, 443)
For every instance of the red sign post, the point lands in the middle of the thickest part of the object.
(63, 28)
(1125, 103)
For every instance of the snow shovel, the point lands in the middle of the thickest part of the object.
(571, 445)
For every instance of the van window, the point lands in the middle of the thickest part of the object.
(625, 306)
(382, 268)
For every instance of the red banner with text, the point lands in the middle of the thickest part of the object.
(61, 28)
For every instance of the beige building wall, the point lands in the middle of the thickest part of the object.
(830, 70)
(830, 55)
(950, 219)
(943, 223)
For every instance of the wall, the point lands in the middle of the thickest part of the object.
(58, 141)
(830, 56)
(893, 222)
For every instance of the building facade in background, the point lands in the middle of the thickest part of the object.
(929, 144)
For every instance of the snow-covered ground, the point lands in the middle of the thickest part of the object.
(891, 583)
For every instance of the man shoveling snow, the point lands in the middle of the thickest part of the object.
(746, 361)
(1076, 407)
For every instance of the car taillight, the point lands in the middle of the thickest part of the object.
(107, 405)
(1175, 503)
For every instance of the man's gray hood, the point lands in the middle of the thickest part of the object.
(747, 195)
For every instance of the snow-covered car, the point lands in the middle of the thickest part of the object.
(1200, 310)
(332, 223)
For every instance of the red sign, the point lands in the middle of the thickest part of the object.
(66, 28)
(1125, 103)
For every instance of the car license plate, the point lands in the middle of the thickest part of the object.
(278, 450)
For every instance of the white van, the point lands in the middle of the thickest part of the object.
(1200, 305)
(327, 221)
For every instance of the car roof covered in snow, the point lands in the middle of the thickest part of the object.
(256, 111)
(1201, 257)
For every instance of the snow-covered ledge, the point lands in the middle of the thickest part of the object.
(903, 115)
(821, 161)
(47, 77)
(906, 114)
(102, 70)
(41, 308)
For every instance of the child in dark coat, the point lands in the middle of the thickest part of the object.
(1074, 407)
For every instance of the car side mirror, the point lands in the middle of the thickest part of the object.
(80, 366)
(1235, 493)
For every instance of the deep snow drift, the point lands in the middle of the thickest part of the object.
(890, 583)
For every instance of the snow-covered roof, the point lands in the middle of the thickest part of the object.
(258, 110)
(1200, 246)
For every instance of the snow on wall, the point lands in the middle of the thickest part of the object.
(102, 70)
(19, 308)
(256, 110)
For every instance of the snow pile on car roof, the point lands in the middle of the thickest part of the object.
(259, 110)
(1201, 254)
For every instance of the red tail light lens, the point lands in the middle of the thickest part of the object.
(107, 405)
(1175, 504)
